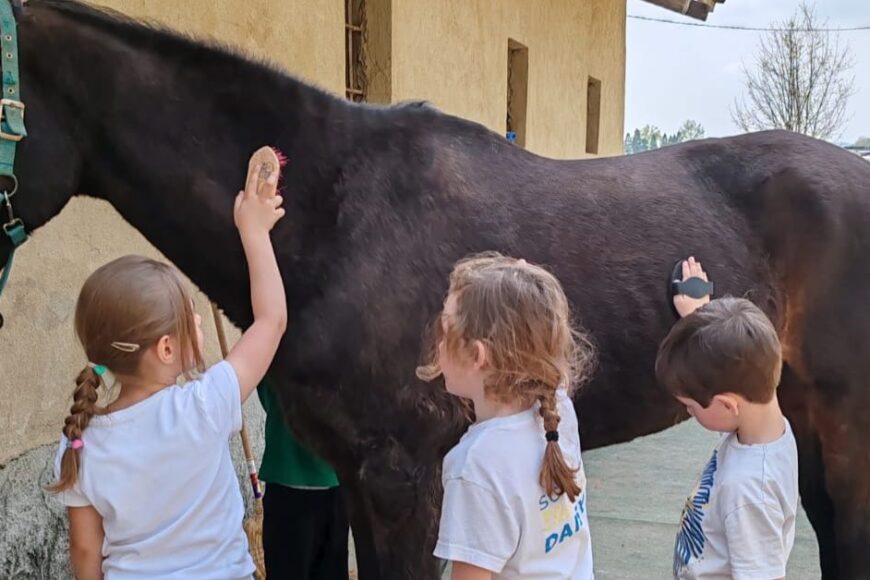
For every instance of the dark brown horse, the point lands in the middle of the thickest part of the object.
(381, 202)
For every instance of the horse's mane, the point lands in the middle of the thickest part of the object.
(168, 41)
(172, 41)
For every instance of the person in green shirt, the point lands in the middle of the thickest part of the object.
(305, 527)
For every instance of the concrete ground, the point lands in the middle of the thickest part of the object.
(636, 495)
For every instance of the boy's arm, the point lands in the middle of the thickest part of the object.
(86, 543)
(756, 545)
(685, 305)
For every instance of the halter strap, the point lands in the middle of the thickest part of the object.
(12, 131)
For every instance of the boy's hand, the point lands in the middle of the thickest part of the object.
(686, 305)
(258, 208)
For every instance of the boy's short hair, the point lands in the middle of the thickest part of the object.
(726, 346)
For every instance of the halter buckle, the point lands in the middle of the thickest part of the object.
(9, 211)
(14, 104)
(7, 227)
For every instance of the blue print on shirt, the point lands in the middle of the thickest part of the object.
(690, 537)
(561, 519)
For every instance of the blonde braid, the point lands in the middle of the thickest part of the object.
(557, 477)
(84, 407)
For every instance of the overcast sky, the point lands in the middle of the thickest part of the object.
(676, 73)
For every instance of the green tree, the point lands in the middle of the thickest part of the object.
(690, 130)
(651, 137)
(635, 142)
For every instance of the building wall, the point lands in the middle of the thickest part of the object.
(454, 54)
(450, 52)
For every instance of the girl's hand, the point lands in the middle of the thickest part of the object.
(258, 208)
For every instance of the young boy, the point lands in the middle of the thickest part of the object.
(722, 360)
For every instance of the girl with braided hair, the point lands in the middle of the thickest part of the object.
(514, 501)
(147, 477)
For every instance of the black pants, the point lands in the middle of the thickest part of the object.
(304, 534)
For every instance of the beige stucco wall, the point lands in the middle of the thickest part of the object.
(454, 54)
(451, 52)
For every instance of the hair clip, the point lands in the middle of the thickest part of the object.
(76, 444)
(125, 346)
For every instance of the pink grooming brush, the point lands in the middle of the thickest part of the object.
(282, 159)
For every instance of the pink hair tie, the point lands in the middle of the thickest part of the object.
(76, 444)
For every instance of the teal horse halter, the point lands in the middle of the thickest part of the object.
(11, 132)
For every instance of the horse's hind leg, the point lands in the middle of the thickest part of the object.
(794, 395)
(818, 254)
(835, 356)
(844, 434)
(834, 466)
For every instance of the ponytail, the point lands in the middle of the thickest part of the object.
(557, 477)
(84, 407)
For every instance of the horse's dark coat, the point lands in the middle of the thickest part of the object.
(381, 202)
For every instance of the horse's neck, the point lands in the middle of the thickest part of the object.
(167, 127)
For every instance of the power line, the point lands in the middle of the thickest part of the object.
(746, 28)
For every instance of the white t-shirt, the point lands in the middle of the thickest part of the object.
(739, 522)
(161, 476)
(496, 515)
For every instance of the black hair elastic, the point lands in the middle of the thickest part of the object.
(552, 436)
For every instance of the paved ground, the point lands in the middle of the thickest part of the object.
(636, 495)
